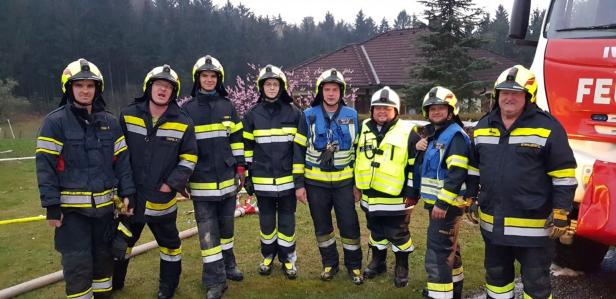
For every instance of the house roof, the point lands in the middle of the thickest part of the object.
(386, 59)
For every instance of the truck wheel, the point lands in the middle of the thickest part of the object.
(582, 255)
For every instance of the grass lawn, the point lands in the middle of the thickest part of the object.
(26, 252)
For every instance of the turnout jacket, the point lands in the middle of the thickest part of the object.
(441, 170)
(221, 149)
(315, 131)
(524, 172)
(375, 174)
(82, 161)
(165, 152)
(269, 131)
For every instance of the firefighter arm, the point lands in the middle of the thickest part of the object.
(560, 166)
(472, 179)
(249, 144)
(456, 161)
(236, 140)
(121, 158)
(187, 160)
(410, 190)
(300, 142)
(48, 152)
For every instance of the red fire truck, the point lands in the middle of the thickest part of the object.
(575, 65)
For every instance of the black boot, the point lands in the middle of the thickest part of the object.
(231, 269)
(378, 263)
(119, 274)
(401, 278)
(166, 291)
(216, 291)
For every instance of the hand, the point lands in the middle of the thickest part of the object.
(438, 213)
(471, 210)
(186, 193)
(409, 203)
(125, 208)
(300, 194)
(558, 223)
(165, 188)
(55, 222)
(249, 187)
(422, 144)
(356, 194)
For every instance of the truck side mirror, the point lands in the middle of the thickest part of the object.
(519, 19)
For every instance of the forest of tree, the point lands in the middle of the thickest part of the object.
(127, 38)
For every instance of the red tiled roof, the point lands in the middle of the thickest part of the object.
(392, 55)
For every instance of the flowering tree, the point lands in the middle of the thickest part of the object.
(301, 87)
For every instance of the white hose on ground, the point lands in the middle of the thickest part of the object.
(48, 279)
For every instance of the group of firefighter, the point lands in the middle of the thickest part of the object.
(102, 179)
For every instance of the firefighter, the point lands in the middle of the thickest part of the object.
(163, 138)
(527, 182)
(269, 129)
(213, 186)
(383, 180)
(81, 163)
(323, 170)
(442, 162)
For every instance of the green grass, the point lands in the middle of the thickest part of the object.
(27, 252)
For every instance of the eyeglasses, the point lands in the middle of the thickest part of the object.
(163, 84)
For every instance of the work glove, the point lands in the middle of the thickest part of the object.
(558, 223)
(248, 186)
(326, 158)
(471, 210)
(119, 244)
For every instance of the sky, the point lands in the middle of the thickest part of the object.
(293, 11)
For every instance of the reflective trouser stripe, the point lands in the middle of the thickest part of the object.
(351, 244)
(440, 290)
(286, 241)
(457, 274)
(504, 292)
(101, 285)
(87, 294)
(269, 239)
(380, 245)
(226, 244)
(211, 255)
(406, 247)
(170, 254)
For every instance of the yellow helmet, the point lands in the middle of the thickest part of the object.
(208, 63)
(271, 72)
(439, 95)
(164, 72)
(81, 69)
(517, 78)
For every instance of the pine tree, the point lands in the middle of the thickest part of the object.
(403, 20)
(445, 49)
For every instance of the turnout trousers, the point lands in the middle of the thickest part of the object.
(277, 224)
(215, 221)
(85, 245)
(321, 200)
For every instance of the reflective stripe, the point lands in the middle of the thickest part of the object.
(136, 129)
(211, 255)
(564, 182)
(527, 139)
(213, 189)
(274, 139)
(540, 132)
(87, 294)
(101, 285)
(187, 164)
(248, 159)
(504, 292)
(473, 171)
(449, 197)
(440, 290)
(298, 168)
(526, 232)
(457, 160)
(351, 247)
(48, 145)
(160, 209)
(300, 139)
(212, 134)
(380, 245)
(486, 140)
(169, 133)
(406, 247)
(527, 296)
(273, 188)
(317, 174)
(268, 239)
(83, 199)
(122, 228)
(129, 250)
(170, 254)
(239, 152)
(180, 127)
(486, 132)
(119, 146)
(248, 135)
(226, 244)
(562, 173)
(409, 183)
(486, 221)
(326, 241)
(133, 120)
(286, 241)
(457, 274)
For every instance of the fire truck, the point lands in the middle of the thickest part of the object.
(575, 66)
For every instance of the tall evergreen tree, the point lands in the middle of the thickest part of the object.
(445, 50)
(384, 26)
(403, 20)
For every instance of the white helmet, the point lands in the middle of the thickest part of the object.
(386, 97)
